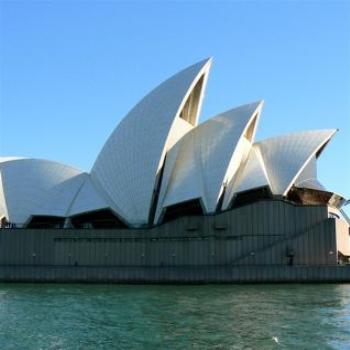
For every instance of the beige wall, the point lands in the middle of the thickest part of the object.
(343, 238)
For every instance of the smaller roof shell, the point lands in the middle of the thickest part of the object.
(36, 187)
(207, 157)
(280, 162)
(286, 156)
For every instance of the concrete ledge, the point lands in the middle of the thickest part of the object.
(185, 275)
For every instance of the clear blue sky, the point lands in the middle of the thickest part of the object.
(71, 70)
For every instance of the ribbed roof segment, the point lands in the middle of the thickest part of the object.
(207, 157)
(279, 163)
(127, 167)
(37, 187)
(286, 156)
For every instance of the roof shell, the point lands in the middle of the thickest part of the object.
(286, 156)
(207, 157)
(129, 163)
(281, 162)
(36, 187)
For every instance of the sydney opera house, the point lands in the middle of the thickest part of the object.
(166, 190)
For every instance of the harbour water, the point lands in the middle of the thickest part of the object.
(63, 316)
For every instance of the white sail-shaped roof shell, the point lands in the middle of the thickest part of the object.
(36, 187)
(207, 157)
(128, 165)
(280, 163)
(286, 156)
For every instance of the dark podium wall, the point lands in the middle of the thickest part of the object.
(262, 233)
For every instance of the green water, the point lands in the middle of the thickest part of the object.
(174, 317)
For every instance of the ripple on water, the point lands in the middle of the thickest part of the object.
(174, 317)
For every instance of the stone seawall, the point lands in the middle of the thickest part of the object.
(184, 275)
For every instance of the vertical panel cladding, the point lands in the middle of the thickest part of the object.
(281, 219)
(319, 237)
(219, 252)
(332, 241)
(264, 218)
(125, 254)
(312, 216)
(245, 249)
(150, 252)
(267, 217)
(98, 252)
(300, 219)
(242, 221)
(253, 222)
(134, 252)
(112, 253)
(313, 246)
(120, 252)
(226, 248)
(283, 228)
(305, 218)
(257, 228)
(327, 245)
(182, 253)
(229, 250)
(291, 219)
(252, 219)
(161, 252)
(306, 249)
(280, 223)
(316, 251)
(300, 250)
(78, 252)
(197, 252)
(276, 227)
(22, 247)
(58, 253)
(179, 253)
(323, 257)
(272, 229)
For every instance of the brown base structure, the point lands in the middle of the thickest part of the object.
(265, 241)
